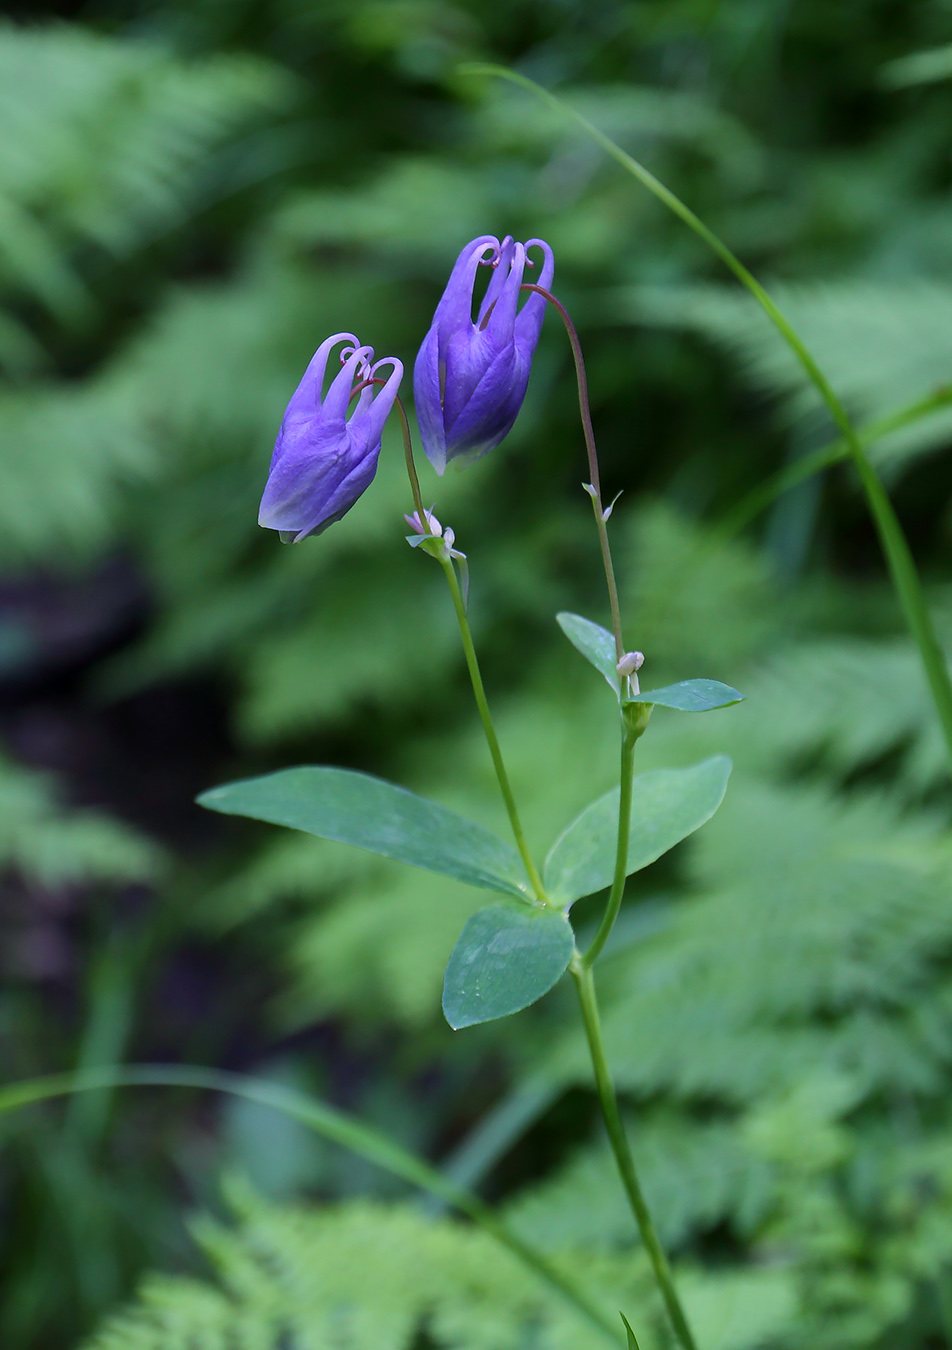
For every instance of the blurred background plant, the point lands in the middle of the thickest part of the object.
(192, 195)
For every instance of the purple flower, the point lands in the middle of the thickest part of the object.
(322, 460)
(470, 378)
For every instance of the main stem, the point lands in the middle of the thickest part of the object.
(485, 716)
(621, 853)
(595, 479)
(585, 984)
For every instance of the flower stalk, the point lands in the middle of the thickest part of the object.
(594, 486)
(444, 553)
(489, 730)
(422, 514)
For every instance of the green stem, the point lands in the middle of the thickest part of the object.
(472, 664)
(895, 547)
(485, 716)
(585, 984)
(329, 1123)
(909, 589)
(595, 484)
(621, 853)
(411, 468)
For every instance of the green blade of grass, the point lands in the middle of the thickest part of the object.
(761, 496)
(326, 1121)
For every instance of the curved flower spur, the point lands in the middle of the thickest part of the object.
(324, 460)
(470, 378)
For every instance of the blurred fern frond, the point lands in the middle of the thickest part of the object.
(69, 456)
(371, 1274)
(50, 844)
(376, 1278)
(696, 1176)
(108, 143)
(851, 701)
(841, 909)
(104, 145)
(882, 344)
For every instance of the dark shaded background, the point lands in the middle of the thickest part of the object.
(193, 195)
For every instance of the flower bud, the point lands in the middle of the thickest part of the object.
(470, 378)
(630, 663)
(324, 460)
(415, 523)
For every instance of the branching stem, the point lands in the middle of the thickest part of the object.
(581, 966)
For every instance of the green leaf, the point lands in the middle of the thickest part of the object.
(667, 805)
(594, 642)
(691, 695)
(355, 808)
(506, 958)
(632, 1339)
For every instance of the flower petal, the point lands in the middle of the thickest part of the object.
(456, 303)
(528, 323)
(427, 401)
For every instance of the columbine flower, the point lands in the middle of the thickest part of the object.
(470, 378)
(323, 460)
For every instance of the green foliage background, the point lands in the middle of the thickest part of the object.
(193, 194)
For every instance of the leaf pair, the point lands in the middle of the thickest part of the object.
(597, 645)
(508, 955)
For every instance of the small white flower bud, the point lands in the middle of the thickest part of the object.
(417, 525)
(630, 663)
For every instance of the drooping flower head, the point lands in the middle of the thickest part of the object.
(324, 460)
(470, 376)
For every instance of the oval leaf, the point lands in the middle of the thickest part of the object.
(691, 696)
(507, 957)
(667, 805)
(355, 808)
(594, 642)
